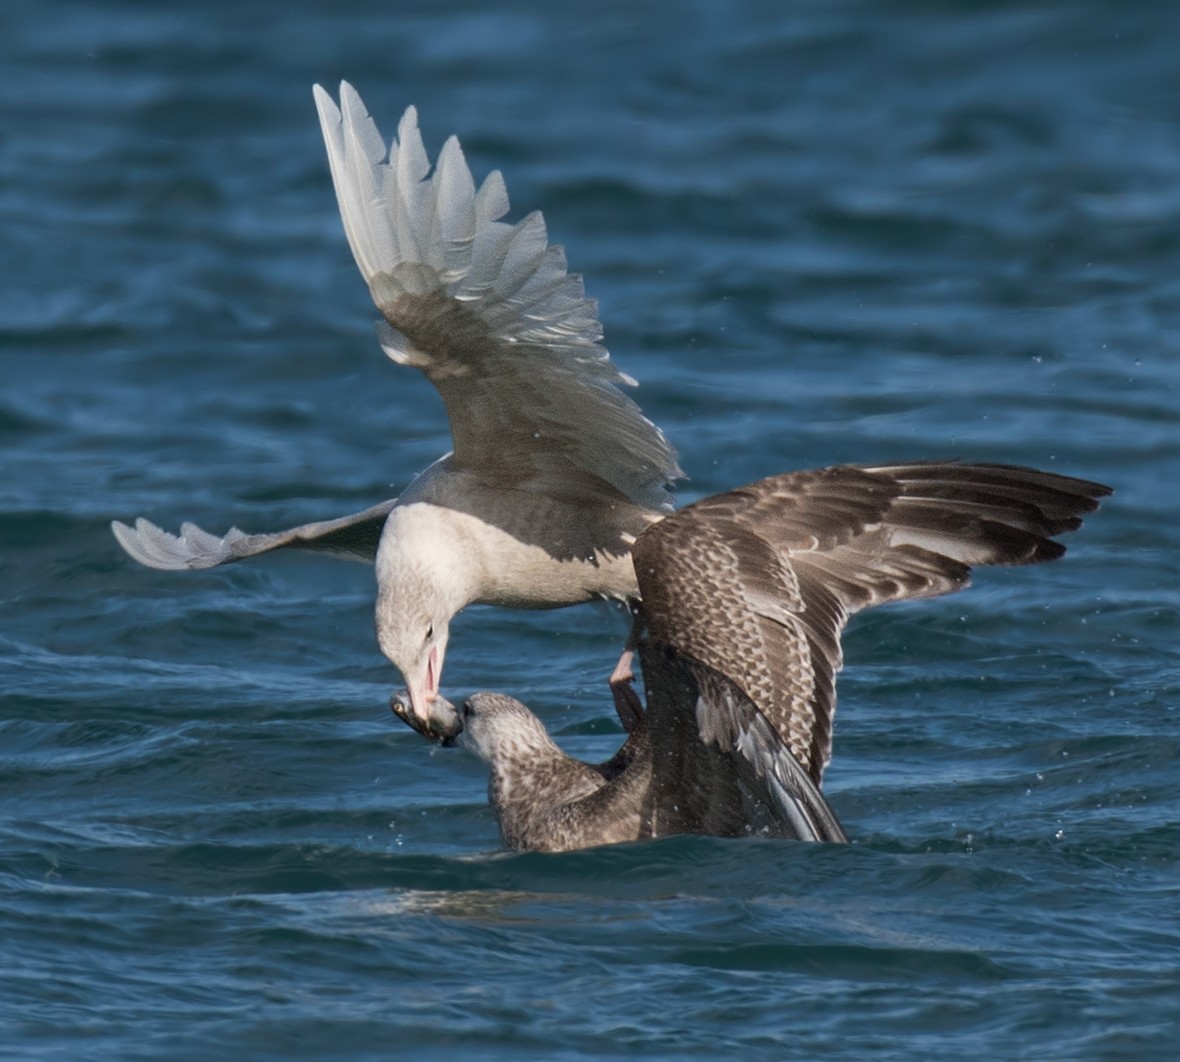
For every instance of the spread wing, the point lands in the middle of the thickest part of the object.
(488, 312)
(354, 537)
(758, 583)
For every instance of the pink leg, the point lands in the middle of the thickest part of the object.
(627, 702)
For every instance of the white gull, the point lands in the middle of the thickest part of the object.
(554, 469)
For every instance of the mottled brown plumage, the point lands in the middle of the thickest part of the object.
(758, 583)
(545, 800)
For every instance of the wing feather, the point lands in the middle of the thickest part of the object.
(489, 312)
(354, 537)
(758, 583)
(717, 765)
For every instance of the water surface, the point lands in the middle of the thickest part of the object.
(818, 232)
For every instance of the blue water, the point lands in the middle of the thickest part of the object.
(819, 232)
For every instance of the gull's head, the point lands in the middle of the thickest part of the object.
(423, 579)
(499, 729)
(413, 625)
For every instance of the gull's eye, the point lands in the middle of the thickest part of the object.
(430, 632)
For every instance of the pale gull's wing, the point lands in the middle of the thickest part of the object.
(758, 583)
(489, 313)
(353, 537)
(718, 766)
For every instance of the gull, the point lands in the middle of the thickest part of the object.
(554, 470)
(744, 597)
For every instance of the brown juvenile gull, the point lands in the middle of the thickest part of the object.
(744, 598)
(554, 469)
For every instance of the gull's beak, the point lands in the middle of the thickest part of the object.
(424, 710)
(423, 695)
(424, 691)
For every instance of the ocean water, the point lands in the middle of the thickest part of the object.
(818, 232)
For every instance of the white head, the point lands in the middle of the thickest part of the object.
(413, 624)
(421, 584)
(412, 628)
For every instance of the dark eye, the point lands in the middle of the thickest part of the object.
(430, 632)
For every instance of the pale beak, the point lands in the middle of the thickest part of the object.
(424, 691)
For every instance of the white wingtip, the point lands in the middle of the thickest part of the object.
(154, 547)
(418, 232)
(395, 210)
